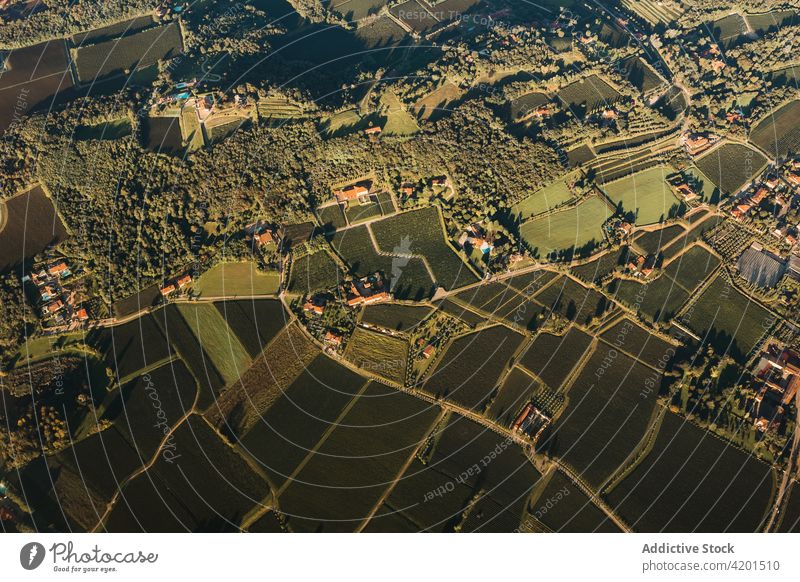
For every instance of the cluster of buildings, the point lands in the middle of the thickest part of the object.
(778, 370)
(58, 303)
(177, 285)
(641, 266)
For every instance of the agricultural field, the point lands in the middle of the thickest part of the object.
(790, 521)
(227, 354)
(651, 242)
(514, 394)
(692, 267)
(29, 223)
(568, 229)
(530, 283)
(608, 411)
(130, 347)
(186, 345)
(728, 30)
(377, 353)
(563, 507)
(472, 366)
(362, 212)
(381, 33)
(414, 15)
(210, 486)
(126, 54)
(33, 76)
(543, 200)
(640, 74)
(523, 106)
(421, 232)
(398, 121)
(162, 135)
(355, 247)
(279, 109)
(343, 480)
(353, 10)
(331, 217)
(655, 11)
(586, 95)
(598, 269)
(255, 322)
(487, 297)
(496, 495)
(628, 336)
(778, 133)
(239, 408)
(395, 316)
(165, 395)
(733, 325)
(645, 194)
(311, 405)
(657, 300)
(313, 272)
(771, 21)
(580, 155)
(435, 104)
(117, 30)
(692, 481)
(241, 279)
(458, 311)
(552, 358)
(731, 166)
(573, 301)
(699, 226)
(110, 130)
(342, 123)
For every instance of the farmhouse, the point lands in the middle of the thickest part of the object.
(367, 290)
(760, 267)
(333, 339)
(168, 290)
(184, 281)
(355, 192)
(263, 238)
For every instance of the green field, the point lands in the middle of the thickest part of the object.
(543, 200)
(567, 229)
(778, 133)
(223, 347)
(379, 354)
(731, 166)
(645, 194)
(237, 279)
